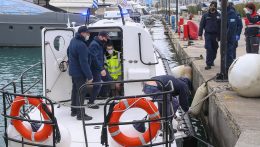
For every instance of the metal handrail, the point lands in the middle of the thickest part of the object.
(7, 116)
(140, 52)
(165, 117)
(24, 72)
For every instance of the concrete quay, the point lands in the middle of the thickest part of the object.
(231, 120)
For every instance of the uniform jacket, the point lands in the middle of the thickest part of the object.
(97, 54)
(180, 88)
(232, 24)
(252, 19)
(211, 23)
(79, 58)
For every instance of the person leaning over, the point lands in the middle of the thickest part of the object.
(181, 88)
(210, 22)
(79, 70)
(96, 48)
(252, 22)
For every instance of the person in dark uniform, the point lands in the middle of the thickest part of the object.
(79, 70)
(239, 27)
(252, 22)
(210, 22)
(232, 32)
(181, 87)
(96, 48)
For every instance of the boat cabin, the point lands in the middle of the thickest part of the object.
(131, 39)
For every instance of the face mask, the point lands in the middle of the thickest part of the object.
(212, 10)
(110, 52)
(87, 38)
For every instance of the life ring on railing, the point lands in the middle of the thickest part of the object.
(147, 136)
(41, 134)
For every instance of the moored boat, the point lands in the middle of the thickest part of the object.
(140, 61)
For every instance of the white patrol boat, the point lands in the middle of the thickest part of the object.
(32, 120)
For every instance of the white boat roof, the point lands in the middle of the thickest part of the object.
(116, 23)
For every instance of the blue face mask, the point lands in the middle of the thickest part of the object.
(149, 89)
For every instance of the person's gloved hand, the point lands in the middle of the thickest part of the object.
(247, 11)
(237, 37)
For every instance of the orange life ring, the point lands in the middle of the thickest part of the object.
(144, 104)
(41, 134)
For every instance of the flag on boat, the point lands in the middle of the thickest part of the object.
(123, 3)
(95, 4)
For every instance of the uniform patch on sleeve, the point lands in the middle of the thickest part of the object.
(232, 20)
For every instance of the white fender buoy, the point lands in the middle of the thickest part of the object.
(12, 133)
(201, 92)
(244, 75)
(182, 71)
(64, 132)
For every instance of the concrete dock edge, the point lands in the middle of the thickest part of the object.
(231, 120)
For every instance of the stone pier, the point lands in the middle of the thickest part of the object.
(231, 120)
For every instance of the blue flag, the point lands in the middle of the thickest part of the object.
(95, 4)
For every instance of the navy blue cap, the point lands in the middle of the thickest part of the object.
(104, 34)
(83, 29)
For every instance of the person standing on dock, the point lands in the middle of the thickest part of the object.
(96, 48)
(252, 34)
(79, 70)
(239, 27)
(233, 30)
(210, 22)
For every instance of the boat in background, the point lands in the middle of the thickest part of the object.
(21, 22)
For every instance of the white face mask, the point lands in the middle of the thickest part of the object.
(86, 37)
(110, 52)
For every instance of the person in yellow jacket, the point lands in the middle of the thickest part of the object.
(113, 65)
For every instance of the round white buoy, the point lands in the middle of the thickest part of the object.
(182, 71)
(244, 75)
(12, 133)
(64, 132)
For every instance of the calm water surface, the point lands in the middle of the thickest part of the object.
(13, 61)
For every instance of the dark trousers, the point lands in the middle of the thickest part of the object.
(96, 87)
(211, 46)
(231, 52)
(172, 105)
(235, 49)
(252, 45)
(106, 88)
(77, 82)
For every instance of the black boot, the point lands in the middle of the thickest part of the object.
(207, 67)
(86, 117)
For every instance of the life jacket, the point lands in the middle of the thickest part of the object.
(253, 27)
(113, 65)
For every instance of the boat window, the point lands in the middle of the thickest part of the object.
(59, 42)
(30, 28)
(11, 27)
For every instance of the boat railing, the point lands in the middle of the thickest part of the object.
(165, 118)
(21, 78)
(8, 98)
